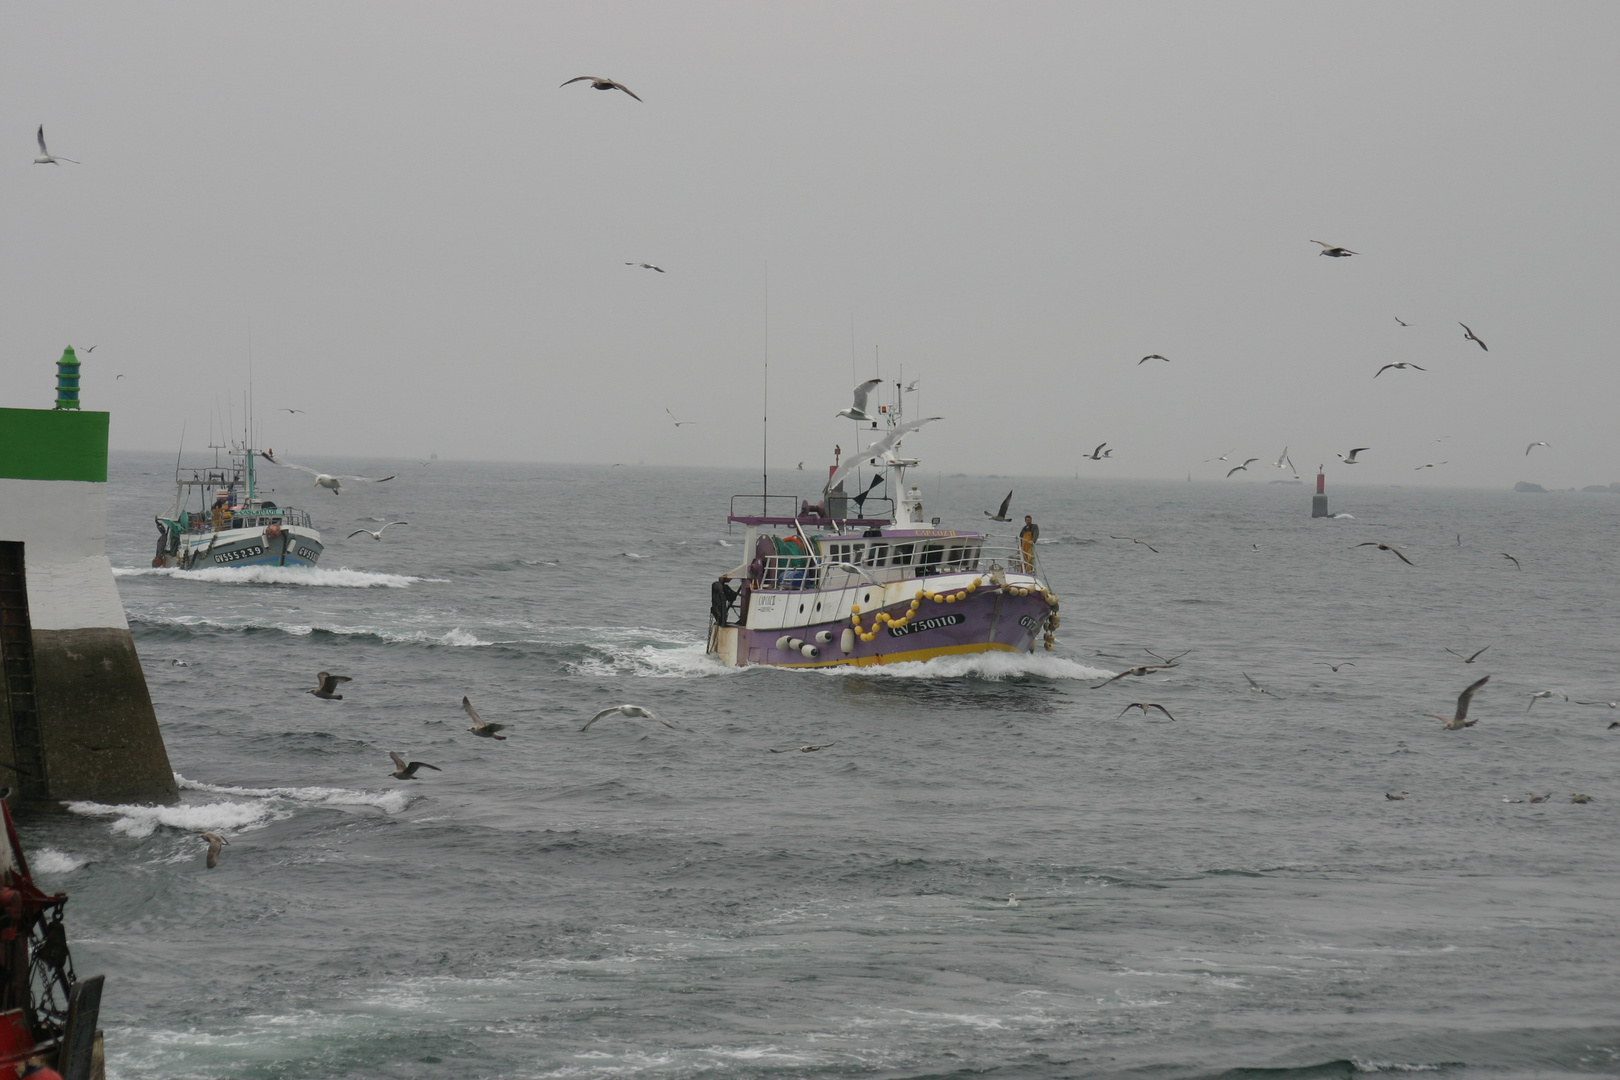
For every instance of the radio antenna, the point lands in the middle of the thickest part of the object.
(765, 405)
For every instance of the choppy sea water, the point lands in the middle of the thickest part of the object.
(1221, 894)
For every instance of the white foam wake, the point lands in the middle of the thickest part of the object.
(142, 821)
(248, 808)
(342, 578)
(390, 802)
(48, 860)
(991, 666)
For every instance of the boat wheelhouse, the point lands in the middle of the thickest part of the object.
(858, 580)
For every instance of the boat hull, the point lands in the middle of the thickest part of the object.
(983, 620)
(293, 546)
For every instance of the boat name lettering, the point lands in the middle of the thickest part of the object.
(239, 554)
(925, 624)
(764, 601)
(1029, 622)
(306, 553)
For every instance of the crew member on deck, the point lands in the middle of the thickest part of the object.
(1027, 536)
(721, 594)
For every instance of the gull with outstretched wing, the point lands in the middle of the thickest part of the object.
(331, 481)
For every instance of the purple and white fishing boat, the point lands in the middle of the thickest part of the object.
(861, 579)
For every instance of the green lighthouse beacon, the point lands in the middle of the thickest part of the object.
(67, 380)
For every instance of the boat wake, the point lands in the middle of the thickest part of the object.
(991, 667)
(247, 808)
(640, 652)
(342, 578)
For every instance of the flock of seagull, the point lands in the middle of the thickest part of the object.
(325, 688)
(1338, 252)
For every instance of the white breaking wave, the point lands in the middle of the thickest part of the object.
(252, 807)
(142, 821)
(391, 801)
(342, 577)
(48, 860)
(991, 666)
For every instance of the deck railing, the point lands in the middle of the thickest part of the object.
(845, 564)
(249, 519)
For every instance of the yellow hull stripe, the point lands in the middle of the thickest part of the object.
(904, 657)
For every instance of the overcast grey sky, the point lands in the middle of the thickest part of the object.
(1014, 201)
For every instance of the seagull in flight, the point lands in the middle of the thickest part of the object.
(644, 266)
(1399, 367)
(1512, 560)
(1283, 458)
(1134, 540)
(325, 684)
(1469, 335)
(626, 710)
(1381, 546)
(1336, 667)
(1539, 694)
(332, 482)
(1223, 457)
(809, 748)
(1403, 323)
(290, 410)
(599, 83)
(1097, 454)
(481, 726)
(857, 411)
(1332, 251)
(1140, 669)
(215, 842)
(1152, 356)
(1351, 460)
(375, 535)
(1001, 515)
(45, 156)
(1466, 659)
(1533, 445)
(1144, 706)
(1256, 687)
(1432, 465)
(406, 770)
(1241, 468)
(1460, 720)
(678, 423)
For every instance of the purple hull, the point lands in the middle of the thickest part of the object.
(988, 620)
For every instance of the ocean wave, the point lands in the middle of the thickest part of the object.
(49, 860)
(389, 802)
(248, 808)
(342, 578)
(455, 636)
(142, 821)
(990, 666)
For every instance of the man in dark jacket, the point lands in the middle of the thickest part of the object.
(721, 594)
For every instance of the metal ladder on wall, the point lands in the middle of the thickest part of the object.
(17, 678)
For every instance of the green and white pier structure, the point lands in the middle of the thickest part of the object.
(76, 720)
